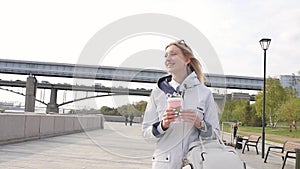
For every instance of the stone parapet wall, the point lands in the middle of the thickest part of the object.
(15, 127)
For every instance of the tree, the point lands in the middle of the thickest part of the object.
(137, 109)
(109, 111)
(227, 111)
(141, 106)
(132, 110)
(240, 110)
(289, 111)
(253, 119)
(275, 97)
(128, 109)
(122, 110)
(236, 110)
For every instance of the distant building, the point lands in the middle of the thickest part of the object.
(10, 106)
(291, 81)
(6, 104)
(238, 96)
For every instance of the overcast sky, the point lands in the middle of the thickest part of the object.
(58, 30)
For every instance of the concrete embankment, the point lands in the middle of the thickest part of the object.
(15, 127)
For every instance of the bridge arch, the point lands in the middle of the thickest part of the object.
(90, 97)
(22, 94)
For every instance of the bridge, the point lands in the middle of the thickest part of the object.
(58, 86)
(34, 69)
(118, 74)
(109, 91)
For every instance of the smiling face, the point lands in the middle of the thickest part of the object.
(175, 61)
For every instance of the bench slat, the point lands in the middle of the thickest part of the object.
(291, 146)
(253, 138)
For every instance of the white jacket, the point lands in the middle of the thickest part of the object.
(172, 144)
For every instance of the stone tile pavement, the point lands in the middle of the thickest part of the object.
(116, 146)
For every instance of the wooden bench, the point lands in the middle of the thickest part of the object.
(288, 150)
(251, 141)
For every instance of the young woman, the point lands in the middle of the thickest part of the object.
(171, 132)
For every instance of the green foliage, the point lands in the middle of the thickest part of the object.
(137, 109)
(281, 105)
(289, 110)
(251, 117)
(109, 111)
(141, 106)
(275, 97)
(127, 110)
(259, 104)
(227, 115)
(239, 110)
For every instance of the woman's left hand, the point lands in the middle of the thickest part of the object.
(190, 116)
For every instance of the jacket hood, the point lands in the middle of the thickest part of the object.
(190, 81)
(163, 84)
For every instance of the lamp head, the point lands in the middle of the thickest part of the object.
(265, 43)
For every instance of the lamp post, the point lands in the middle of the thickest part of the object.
(264, 45)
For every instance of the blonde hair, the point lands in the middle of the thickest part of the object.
(187, 52)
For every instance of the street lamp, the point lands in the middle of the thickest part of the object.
(264, 43)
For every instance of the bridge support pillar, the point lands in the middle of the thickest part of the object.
(219, 101)
(31, 86)
(52, 106)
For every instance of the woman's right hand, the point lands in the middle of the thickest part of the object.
(168, 117)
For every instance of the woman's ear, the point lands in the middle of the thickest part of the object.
(187, 61)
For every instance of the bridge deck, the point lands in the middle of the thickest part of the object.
(118, 74)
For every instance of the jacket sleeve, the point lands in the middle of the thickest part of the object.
(151, 126)
(211, 117)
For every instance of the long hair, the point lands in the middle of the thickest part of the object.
(187, 52)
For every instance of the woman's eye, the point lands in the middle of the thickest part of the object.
(170, 54)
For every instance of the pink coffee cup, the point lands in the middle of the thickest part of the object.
(175, 103)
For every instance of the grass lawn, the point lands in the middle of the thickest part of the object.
(278, 134)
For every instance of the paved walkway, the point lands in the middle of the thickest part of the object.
(117, 146)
